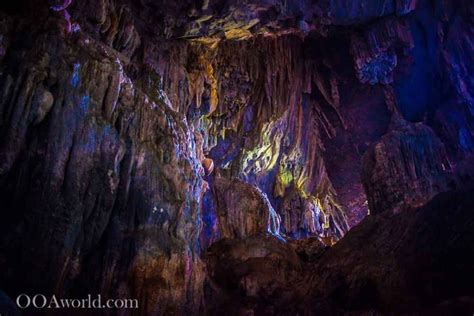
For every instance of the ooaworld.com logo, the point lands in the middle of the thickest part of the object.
(41, 301)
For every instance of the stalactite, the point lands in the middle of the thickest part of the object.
(203, 156)
(276, 130)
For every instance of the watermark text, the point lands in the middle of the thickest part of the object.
(40, 301)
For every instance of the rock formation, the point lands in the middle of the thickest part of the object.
(120, 180)
(413, 261)
(210, 157)
(244, 273)
(243, 210)
(407, 168)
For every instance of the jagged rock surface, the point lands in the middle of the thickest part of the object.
(411, 262)
(108, 108)
(405, 169)
(99, 186)
(241, 209)
(246, 274)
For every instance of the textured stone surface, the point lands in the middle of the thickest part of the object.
(310, 249)
(216, 20)
(246, 274)
(99, 186)
(405, 169)
(374, 49)
(411, 262)
(242, 210)
(109, 108)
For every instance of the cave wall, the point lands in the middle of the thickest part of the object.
(323, 112)
(101, 188)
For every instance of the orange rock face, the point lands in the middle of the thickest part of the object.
(208, 165)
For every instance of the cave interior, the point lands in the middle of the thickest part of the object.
(255, 157)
